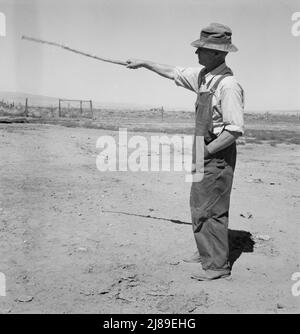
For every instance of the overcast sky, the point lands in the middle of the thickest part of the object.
(267, 64)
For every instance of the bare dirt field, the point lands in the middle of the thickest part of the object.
(77, 240)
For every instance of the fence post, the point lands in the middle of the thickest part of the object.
(80, 107)
(91, 106)
(52, 111)
(59, 108)
(26, 107)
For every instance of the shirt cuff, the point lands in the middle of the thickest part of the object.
(235, 128)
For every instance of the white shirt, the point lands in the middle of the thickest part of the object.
(228, 99)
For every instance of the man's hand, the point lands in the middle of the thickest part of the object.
(166, 71)
(135, 63)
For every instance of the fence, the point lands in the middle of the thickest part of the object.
(64, 108)
(73, 111)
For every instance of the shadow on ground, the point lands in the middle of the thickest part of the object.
(239, 242)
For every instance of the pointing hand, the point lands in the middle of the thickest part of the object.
(134, 63)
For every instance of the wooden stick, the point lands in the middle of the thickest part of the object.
(119, 62)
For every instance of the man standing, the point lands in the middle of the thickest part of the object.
(219, 120)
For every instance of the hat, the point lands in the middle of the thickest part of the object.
(216, 36)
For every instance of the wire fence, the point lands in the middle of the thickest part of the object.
(63, 109)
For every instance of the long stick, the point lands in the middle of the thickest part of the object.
(119, 62)
(176, 221)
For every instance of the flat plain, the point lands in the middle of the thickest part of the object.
(77, 240)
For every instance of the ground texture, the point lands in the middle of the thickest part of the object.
(75, 240)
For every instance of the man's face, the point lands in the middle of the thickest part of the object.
(205, 56)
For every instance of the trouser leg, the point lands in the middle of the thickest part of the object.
(209, 203)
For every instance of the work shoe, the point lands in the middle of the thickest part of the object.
(209, 275)
(193, 259)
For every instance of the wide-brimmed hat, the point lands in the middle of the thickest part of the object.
(217, 37)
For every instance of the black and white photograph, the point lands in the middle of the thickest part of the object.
(149, 159)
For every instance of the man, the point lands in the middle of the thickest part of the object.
(219, 120)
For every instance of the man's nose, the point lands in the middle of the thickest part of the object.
(197, 51)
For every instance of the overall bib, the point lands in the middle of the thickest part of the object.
(210, 198)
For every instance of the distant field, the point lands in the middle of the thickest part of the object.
(268, 127)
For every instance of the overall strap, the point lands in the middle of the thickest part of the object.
(214, 87)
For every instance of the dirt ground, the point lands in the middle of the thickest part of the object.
(62, 252)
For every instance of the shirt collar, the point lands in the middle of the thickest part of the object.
(219, 70)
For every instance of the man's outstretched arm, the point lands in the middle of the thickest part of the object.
(166, 71)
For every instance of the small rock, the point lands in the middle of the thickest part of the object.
(24, 299)
(264, 237)
(82, 249)
(255, 181)
(90, 269)
(86, 293)
(280, 306)
(174, 263)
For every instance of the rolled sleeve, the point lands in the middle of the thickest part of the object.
(187, 77)
(232, 104)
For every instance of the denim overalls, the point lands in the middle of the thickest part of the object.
(210, 198)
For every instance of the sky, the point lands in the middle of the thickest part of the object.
(267, 64)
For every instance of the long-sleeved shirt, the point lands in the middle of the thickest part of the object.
(228, 99)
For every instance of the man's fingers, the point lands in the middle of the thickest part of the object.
(133, 63)
(130, 64)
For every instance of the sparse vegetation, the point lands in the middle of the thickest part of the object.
(260, 128)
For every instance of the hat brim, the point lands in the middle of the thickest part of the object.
(220, 47)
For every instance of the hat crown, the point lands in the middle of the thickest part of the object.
(217, 32)
(218, 28)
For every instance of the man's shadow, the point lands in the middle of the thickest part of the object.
(239, 242)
